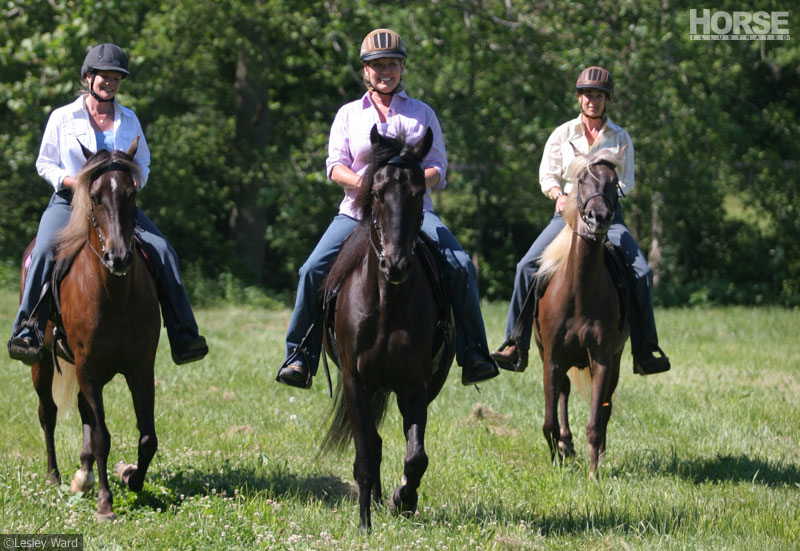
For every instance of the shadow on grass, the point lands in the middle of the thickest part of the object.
(722, 468)
(165, 489)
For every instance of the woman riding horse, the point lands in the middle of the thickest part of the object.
(591, 131)
(95, 120)
(386, 105)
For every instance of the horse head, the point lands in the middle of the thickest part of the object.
(105, 197)
(596, 190)
(397, 188)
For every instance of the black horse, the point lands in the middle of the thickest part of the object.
(386, 323)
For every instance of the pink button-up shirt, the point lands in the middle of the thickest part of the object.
(349, 143)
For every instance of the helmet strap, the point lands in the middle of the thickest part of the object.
(94, 94)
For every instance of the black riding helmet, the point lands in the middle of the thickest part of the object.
(104, 57)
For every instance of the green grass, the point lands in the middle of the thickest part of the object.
(704, 457)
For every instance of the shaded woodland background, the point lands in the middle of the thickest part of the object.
(236, 99)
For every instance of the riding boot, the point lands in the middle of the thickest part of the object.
(478, 367)
(186, 344)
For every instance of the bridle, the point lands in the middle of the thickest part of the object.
(583, 203)
(113, 166)
(402, 161)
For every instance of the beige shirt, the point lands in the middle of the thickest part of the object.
(558, 153)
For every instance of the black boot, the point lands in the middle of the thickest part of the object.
(647, 363)
(294, 374)
(25, 346)
(478, 368)
(188, 347)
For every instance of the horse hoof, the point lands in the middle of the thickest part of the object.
(83, 481)
(104, 517)
(566, 449)
(398, 507)
(124, 470)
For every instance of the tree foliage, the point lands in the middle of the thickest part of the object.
(236, 99)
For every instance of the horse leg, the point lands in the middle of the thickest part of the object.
(607, 405)
(565, 446)
(363, 428)
(551, 382)
(143, 393)
(84, 478)
(42, 374)
(414, 409)
(595, 427)
(101, 444)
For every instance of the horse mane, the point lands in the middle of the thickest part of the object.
(555, 255)
(73, 236)
(352, 251)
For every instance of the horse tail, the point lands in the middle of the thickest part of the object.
(65, 389)
(555, 255)
(340, 432)
(581, 380)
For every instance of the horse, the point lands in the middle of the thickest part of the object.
(385, 324)
(111, 319)
(579, 322)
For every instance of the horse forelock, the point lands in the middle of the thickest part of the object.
(72, 237)
(379, 156)
(556, 253)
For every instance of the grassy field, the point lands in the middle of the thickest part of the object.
(704, 457)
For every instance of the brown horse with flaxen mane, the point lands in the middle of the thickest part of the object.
(578, 322)
(110, 314)
(386, 323)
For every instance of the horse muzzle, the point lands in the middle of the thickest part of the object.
(118, 264)
(396, 270)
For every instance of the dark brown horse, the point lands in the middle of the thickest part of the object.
(385, 323)
(578, 320)
(110, 314)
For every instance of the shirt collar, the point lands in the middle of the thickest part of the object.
(610, 127)
(366, 102)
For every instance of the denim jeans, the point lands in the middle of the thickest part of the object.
(174, 303)
(642, 320)
(459, 272)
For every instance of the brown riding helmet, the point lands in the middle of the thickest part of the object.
(595, 77)
(382, 43)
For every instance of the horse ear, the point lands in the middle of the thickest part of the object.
(621, 151)
(575, 149)
(374, 135)
(424, 145)
(131, 152)
(86, 152)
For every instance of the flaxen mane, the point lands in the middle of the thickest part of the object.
(73, 236)
(352, 252)
(555, 255)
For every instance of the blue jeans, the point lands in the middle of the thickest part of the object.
(642, 320)
(459, 272)
(175, 306)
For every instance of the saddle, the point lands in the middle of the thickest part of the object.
(443, 343)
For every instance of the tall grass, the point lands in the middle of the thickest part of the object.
(704, 457)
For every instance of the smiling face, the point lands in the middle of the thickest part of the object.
(384, 74)
(106, 83)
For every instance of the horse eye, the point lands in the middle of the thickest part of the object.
(95, 199)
